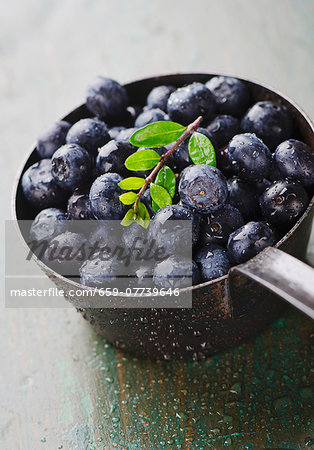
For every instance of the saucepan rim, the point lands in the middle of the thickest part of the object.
(76, 285)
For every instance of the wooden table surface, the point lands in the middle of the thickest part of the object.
(62, 386)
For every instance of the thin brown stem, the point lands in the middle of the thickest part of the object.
(189, 129)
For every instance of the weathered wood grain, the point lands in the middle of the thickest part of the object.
(71, 388)
(61, 385)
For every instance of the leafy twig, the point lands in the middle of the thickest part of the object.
(192, 127)
(162, 180)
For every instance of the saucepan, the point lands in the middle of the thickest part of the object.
(226, 311)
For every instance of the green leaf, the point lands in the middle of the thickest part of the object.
(128, 198)
(166, 178)
(142, 160)
(160, 196)
(132, 183)
(157, 134)
(201, 150)
(143, 214)
(155, 206)
(129, 218)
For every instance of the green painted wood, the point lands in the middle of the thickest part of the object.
(62, 386)
(72, 389)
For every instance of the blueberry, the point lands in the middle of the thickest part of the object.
(66, 252)
(262, 185)
(295, 161)
(275, 174)
(131, 113)
(218, 225)
(51, 138)
(106, 98)
(243, 196)
(136, 244)
(222, 129)
(99, 272)
(114, 131)
(270, 121)
(79, 207)
(147, 200)
(196, 273)
(207, 133)
(124, 135)
(187, 103)
(158, 97)
(283, 202)
(104, 197)
(134, 236)
(174, 238)
(89, 134)
(231, 94)
(176, 272)
(213, 262)
(111, 157)
(106, 235)
(71, 166)
(47, 224)
(150, 116)
(222, 159)
(40, 188)
(249, 240)
(180, 159)
(134, 111)
(203, 187)
(249, 157)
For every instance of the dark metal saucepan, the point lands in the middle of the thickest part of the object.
(226, 311)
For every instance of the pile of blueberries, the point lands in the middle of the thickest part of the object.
(260, 188)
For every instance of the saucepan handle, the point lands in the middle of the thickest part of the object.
(284, 275)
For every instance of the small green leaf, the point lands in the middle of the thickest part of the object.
(201, 150)
(166, 178)
(155, 206)
(157, 134)
(160, 196)
(132, 183)
(142, 160)
(128, 198)
(143, 215)
(129, 218)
